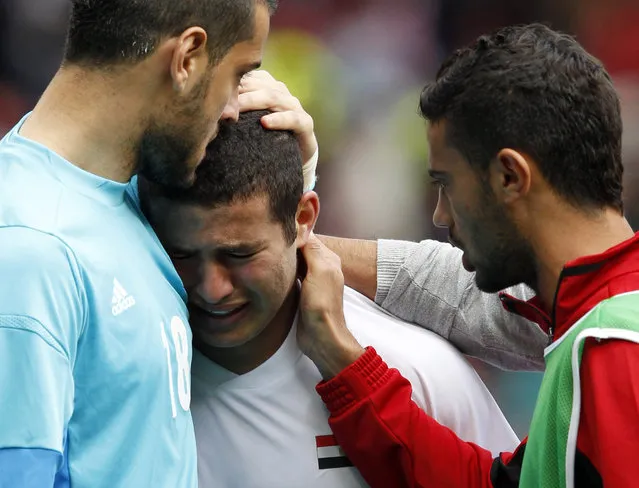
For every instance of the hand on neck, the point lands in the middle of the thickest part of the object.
(93, 119)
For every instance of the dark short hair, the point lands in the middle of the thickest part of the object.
(244, 161)
(538, 91)
(110, 32)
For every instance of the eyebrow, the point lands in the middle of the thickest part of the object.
(244, 247)
(172, 250)
(437, 174)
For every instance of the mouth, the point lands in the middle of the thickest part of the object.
(221, 312)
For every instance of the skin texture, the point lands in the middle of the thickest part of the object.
(175, 141)
(155, 117)
(477, 221)
(239, 271)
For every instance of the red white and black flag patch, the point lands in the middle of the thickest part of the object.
(329, 454)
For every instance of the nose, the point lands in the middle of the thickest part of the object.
(231, 111)
(441, 215)
(216, 284)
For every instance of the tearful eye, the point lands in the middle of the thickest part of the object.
(179, 255)
(239, 256)
(438, 184)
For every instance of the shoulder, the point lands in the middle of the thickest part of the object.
(438, 372)
(41, 289)
(26, 250)
(444, 383)
(396, 340)
(29, 194)
(41, 275)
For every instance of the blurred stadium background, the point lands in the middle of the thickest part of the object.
(358, 67)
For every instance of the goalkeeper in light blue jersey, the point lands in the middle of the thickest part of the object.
(95, 348)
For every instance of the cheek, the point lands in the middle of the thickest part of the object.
(222, 90)
(267, 277)
(463, 212)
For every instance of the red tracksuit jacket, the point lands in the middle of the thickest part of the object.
(394, 444)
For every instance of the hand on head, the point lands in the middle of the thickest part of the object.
(260, 91)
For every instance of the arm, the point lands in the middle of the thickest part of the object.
(444, 385)
(426, 284)
(447, 388)
(359, 262)
(609, 426)
(390, 439)
(39, 327)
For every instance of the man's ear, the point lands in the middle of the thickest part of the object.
(189, 58)
(511, 175)
(306, 217)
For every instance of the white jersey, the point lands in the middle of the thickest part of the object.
(269, 428)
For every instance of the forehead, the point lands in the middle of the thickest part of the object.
(442, 156)
(250, 50)
(190, 226)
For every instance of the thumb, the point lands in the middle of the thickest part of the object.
(313, 246)
(312, 252)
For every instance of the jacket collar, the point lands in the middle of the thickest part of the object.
(583, 283)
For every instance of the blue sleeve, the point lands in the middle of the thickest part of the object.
(28, 468)
(41, 320)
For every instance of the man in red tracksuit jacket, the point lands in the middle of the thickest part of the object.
(525, 147)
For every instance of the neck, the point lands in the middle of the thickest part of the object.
(92, 119)
(247, 357)
(569, 235)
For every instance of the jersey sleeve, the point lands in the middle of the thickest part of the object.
(448, 389)
(426, 284)
(41, 320)
(609, 426)
(28, 468)
(390, 439)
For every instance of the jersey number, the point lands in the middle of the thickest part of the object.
(180, 341)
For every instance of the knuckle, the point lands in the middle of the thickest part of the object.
(307, 122)
(271, 98)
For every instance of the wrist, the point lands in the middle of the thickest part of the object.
(334, 356)
(309, 171)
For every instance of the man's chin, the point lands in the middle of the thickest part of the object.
(170, 181)
(219, 341)
(488, 283)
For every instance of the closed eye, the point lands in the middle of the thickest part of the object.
(239, 256)
(438, 183)
(178, 255)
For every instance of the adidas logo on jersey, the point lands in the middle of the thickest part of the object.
(121, 300)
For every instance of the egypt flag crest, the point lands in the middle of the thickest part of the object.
(329, 454)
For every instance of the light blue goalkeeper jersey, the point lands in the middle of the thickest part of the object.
(95, 348)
